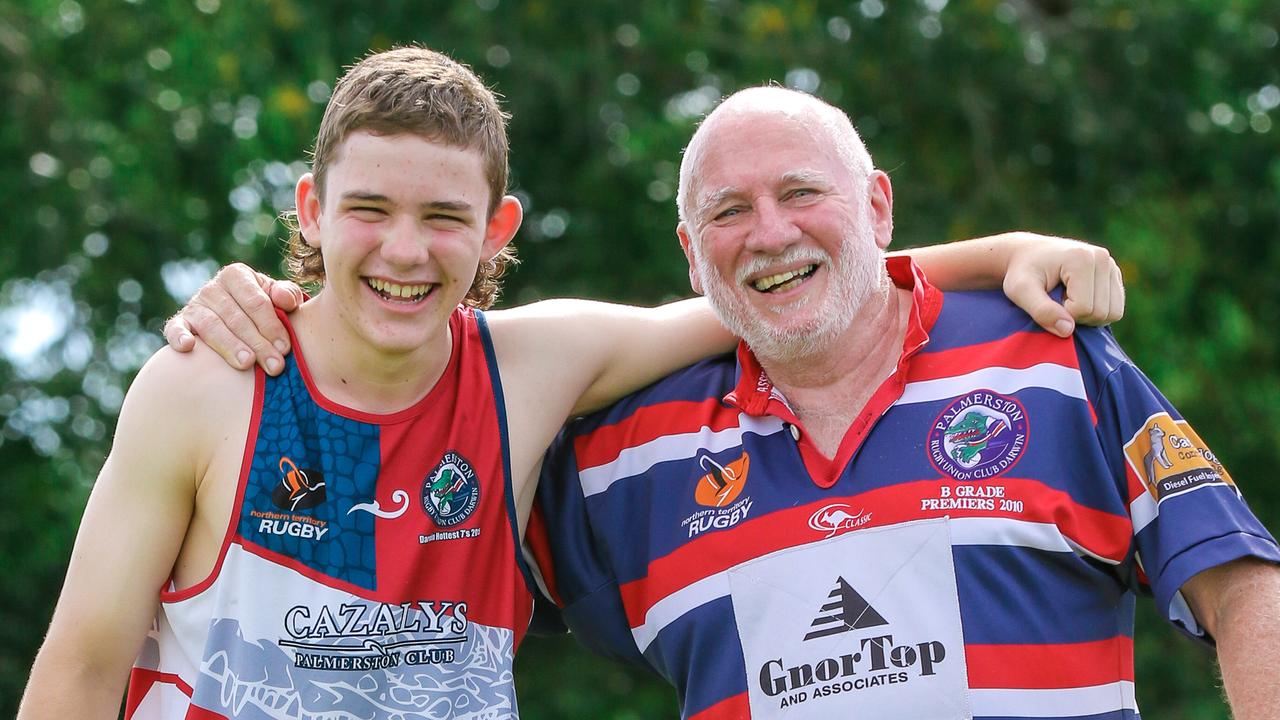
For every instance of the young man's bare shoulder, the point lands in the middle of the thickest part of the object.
(191, 389)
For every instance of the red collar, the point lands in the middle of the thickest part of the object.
(755, 391)
(756, 395)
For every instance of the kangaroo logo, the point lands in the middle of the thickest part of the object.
(1167, 456)
(837, 517)
(1156, 453)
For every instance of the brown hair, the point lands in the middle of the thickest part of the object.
(423, 92)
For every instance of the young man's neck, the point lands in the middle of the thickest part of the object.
(351, 372)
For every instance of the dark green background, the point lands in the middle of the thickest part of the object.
(152, 140)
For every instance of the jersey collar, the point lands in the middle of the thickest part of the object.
(756, 395)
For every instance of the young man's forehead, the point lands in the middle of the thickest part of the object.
(390, 165)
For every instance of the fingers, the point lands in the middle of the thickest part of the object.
(240, 301)
(233, 315)
(213, 330)
(1095, 295)
(178, 334)
(1028, 292)
(1117, 293)
(284, 294)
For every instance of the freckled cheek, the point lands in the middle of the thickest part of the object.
(458, 253)
(359, 236)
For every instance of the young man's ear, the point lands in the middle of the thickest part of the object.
(502, 226)
(306, 198)
(682, 232)
(880, 196)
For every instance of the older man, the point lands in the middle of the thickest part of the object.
(894, 502)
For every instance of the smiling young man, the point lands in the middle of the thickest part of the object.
(341, 539)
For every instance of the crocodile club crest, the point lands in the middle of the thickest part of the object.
(978, 436)
(451, 492)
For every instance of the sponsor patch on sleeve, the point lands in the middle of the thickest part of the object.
(1171, 459)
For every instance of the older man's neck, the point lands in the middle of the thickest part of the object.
(828, 390)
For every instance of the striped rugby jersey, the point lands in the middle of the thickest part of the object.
(369, 567)
(974, 549)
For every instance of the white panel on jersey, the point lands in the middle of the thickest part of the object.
(1055, 703)
(1143, 510)
(1180, 612)
(1002, 380)
(1006, 531)
(635, 460)
(866, 624)
(163, 700)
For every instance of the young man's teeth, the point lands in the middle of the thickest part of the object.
(397, 291)
(773, 282)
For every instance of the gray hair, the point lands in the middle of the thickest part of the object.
(830, 119)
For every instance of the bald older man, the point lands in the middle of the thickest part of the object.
(893, 502)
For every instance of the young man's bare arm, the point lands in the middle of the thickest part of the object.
(1027, 266)
(234, 312)
(131, 534)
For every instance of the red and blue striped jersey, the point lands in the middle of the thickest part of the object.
(370, 566)
(974, 550)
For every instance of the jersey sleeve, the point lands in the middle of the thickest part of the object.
(1188, 514)
(577, 577)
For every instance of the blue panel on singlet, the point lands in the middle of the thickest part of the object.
(309, 468)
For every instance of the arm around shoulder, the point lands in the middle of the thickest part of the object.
(596, 352)
(130, 535)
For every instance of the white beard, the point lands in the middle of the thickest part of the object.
(856, 275)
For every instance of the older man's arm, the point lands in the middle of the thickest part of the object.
(1238, 603)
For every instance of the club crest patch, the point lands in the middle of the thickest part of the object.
(451, 492)
(1170, 458)
(978, 436)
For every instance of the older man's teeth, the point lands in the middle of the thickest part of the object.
(392, 290)
(783, 281)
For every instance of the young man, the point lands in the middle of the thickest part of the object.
(342, 539)
(894, 502)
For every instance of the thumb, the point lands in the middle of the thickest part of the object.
(1035, 301)
(284, 294)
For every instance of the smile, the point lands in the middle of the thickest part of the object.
(399, 293)
(784, 281)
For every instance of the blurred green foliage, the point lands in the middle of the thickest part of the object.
(148, 141)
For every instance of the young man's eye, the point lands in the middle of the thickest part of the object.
(368, 211)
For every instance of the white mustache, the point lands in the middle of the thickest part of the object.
(805, 256)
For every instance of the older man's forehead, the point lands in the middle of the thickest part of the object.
(713, 194)
(710, 197)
